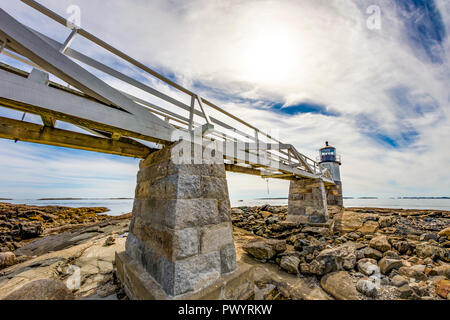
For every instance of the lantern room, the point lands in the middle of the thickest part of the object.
(328, 154)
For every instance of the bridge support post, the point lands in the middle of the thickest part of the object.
(307, 202)
(180, 237)
(334, 194)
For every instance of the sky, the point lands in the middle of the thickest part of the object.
(371, 77)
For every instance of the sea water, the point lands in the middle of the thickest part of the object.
(121, 206)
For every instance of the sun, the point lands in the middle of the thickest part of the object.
(270, 55)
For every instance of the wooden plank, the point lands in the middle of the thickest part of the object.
(30, 132)
(31, 46)
(21, 94)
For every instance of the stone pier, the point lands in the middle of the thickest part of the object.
(307, 202)
(334, 194)
(180, 240)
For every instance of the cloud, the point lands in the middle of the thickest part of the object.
(311, 69)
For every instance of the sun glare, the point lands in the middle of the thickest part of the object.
(269, 56)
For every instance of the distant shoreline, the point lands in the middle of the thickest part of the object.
(46, 199)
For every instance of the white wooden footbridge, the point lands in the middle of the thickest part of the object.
(116, 121)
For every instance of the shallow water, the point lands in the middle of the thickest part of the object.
(122, 206)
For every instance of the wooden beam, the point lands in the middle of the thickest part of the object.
(241, 169)
(48, 121)
(30, 132)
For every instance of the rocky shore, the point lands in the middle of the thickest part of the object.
(362, 254)
(45, 250)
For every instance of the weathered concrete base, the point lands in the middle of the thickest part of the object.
(307, 202)
(139, 285)
(334, 195)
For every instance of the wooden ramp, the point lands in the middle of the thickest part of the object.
(118, 122)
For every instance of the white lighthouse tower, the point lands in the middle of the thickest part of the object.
(332, 161)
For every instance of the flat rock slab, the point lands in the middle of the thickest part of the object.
(72, 238)
(92, 258)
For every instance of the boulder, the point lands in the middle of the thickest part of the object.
(426, 250)
(371, 253)
(339, 285)
(277, 245)
(441, 271)
(367, 288)
(368, 266)
(445, 233)
(43, 289)
(368, 227)
(29, 230)
(260, 250)
(290, 264)
(329, 260)
(348, 221)
(416, 272)
(7, 259)
(428, 236)
(405, 291)
(398, 281)
(443, 288)
(387, 264)
(264, 249)
(385, 222)
(403, 246)
(380, 243)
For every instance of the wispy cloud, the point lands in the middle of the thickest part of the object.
(312, 69)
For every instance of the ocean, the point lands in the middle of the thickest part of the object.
(122, 206)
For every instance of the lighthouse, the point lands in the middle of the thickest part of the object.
(332, 161)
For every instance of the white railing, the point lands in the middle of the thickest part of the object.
(198, 113)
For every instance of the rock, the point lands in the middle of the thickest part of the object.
(441, 271)
(299, 244)
(398, 281)
(329, 260)
(348, 221)
(368, 266)
(339, 285)
(367, 288)
(30, 230)
(425, 250)
(385, 222)
(110, 241)
(391, 254)
(371, 253)
(265, 214)
(428, 236)
(420, 289)
(278, 245)
(445, 233)
(368, 227)
(416, 272)
(402, 246)
(7, 259)
(380, 243)
(443, 288)
(43, 289)
(405, 291)
(264, 249)
(290, 264)
(388, 264)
